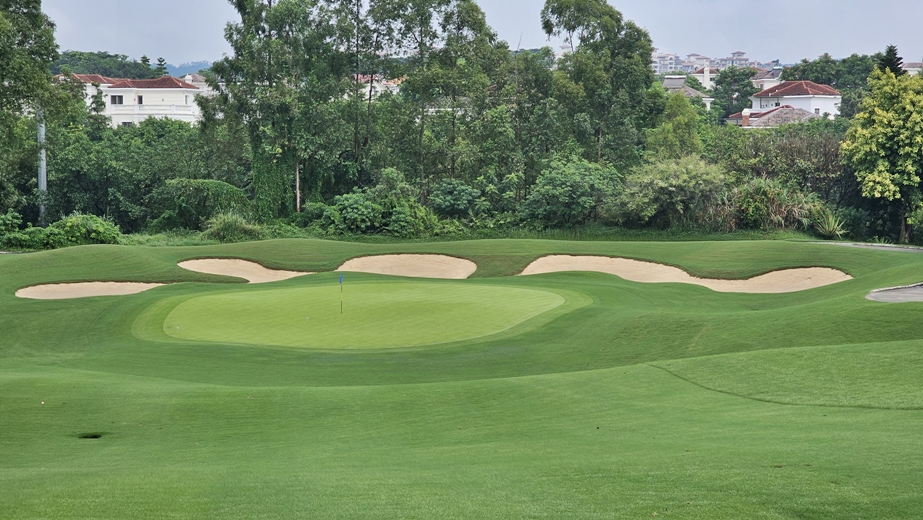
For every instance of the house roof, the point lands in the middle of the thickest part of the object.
(777, 116)
(912, 65)
(797, 88)
(97, 78)
(670, 82)
(162, 82)
(768, 74)
(702, 70)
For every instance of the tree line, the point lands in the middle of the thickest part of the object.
(479, 136)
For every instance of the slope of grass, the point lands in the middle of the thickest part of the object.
(575, 413)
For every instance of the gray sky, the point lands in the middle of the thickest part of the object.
(192, 30)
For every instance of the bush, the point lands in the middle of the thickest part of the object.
(78, 229)
(10, 222)
(231, 227)
(569, 194)
(310, 213)
(687, 192)
(453, 198)
(354, 213)
(771, 204)
(189, 203)
(828, 225)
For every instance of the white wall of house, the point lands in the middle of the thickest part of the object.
(140, 104)
(819, 105)
(767, 83)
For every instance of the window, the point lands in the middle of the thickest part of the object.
(116, 100)
(140, 100)
(817, 111)
(127, 123)
(187, 99)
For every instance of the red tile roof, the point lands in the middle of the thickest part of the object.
(757, 115)
(163, 82)
(712, 69)
(96, 78)
(797, 88)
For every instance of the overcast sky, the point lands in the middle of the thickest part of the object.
(192, 30)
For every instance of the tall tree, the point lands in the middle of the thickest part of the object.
(27, 48)
(733, 89)
(891, 61)
(678, 136)
(286, 68)
(161, 68)
(605, 81)
(883, 143)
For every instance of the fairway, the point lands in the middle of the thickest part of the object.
(377, 315)
(556, 395)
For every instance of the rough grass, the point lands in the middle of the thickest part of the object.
(644, 398)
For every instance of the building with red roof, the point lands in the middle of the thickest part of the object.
(130, 101)
(821, 100)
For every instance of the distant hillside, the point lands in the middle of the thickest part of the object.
(187, 68)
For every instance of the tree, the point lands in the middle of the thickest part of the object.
(161, 68)
(884, 143)
(286, 68)
(678, 136)
(733, 89)
(605, 82)
(103, 63)
(567, 194)
(891, 61)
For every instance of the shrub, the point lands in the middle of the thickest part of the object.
(231, 227)
(453, 198)
(569, 194)
(354, 213)
(189, 203)
(675, 193)
(79, 229)
(411, 219)
(771, 204)
(10, 222)
(829, 225)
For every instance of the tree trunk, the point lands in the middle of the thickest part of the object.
(905, 230)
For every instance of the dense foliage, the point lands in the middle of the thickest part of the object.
(308, 134)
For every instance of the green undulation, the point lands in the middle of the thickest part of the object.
(376, 315)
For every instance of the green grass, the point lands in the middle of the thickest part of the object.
(380, 315)
(623, 401)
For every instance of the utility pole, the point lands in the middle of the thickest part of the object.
(42, 168)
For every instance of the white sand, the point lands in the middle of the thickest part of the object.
(786, 280)
(63, 291)
(419, 266)
(250, 271)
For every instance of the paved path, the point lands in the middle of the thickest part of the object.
(880, 247)
(900, 295)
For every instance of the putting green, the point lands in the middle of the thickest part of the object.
(376, 315)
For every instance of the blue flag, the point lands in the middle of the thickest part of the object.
(341, 279)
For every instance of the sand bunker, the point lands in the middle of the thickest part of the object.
(909, 293)
(250, 271)
(419, 266)
(786, 280)
(63, 291)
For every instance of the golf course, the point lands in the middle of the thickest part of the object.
(300, 378)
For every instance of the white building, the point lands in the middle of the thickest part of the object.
(806, 95)
(376, 85)
(130, 101)
(765, 79)
(706, 76)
